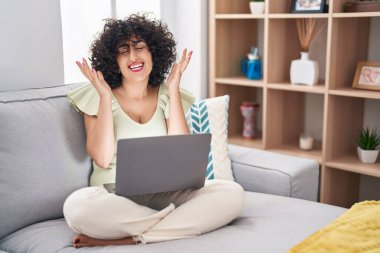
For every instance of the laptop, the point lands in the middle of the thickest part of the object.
(160, 164)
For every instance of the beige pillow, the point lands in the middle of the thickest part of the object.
(211, 116)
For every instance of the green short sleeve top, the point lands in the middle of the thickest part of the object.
(85, 99)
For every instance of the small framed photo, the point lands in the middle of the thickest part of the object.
(367, 76)
(308, 6)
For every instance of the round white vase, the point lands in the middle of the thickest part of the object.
(304, 70)
(257, 7)
(367, 156)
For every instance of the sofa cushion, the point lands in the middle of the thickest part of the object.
(43, 157)
(268, 224)
(211, 116)
(267, 172)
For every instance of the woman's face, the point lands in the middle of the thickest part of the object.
(134, 60)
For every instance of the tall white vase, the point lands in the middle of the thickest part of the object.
(304, 70)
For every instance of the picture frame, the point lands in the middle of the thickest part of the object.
(308, 6)
(367, 76)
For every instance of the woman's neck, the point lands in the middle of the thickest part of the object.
(135, 90)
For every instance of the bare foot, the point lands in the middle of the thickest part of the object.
(80, 241)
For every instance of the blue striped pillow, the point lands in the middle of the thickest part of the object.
(211, 116)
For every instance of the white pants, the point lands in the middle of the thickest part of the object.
(94, 212)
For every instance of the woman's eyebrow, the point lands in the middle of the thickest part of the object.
(124, 44)
(136, 41)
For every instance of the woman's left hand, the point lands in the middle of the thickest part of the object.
(175, 74)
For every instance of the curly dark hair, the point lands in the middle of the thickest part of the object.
(156, 35)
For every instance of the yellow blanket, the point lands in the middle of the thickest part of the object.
(357, 230)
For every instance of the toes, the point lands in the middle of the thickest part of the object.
(79, 245)
(76, 239)
(80, 239)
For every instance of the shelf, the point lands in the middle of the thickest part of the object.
(239, 16)
(320, 88)
(330, 111)
(240, 141)
(351, 163)
(298, 15)
(355, 14)
(350, 92)
(294, 150)
(240, 81)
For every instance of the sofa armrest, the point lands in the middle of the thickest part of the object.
(267, 172)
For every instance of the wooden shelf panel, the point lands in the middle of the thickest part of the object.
(240, 81)
(294, 150)
(349, 45)
(298, 15)
(240, 141)
(239, 16)
(284, 47)
(350, 92)
(320, 88)
(355, 14)
(230, 52)
(351, 163)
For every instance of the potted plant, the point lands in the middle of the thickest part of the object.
(257, 6)
(368, 142)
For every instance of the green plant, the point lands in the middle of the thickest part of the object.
(368, 139)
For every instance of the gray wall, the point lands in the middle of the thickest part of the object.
(31, 44)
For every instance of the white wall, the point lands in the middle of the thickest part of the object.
(127, 7)
(30, 44)
(82, 20)
(187, 20)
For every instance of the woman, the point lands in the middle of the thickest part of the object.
(127, 98)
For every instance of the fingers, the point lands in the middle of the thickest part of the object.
(176, 69)
(84, 68)
(100, 75)
(91, 74)
(80, 66)
(94, 75)
(186, 61)
(183, 58)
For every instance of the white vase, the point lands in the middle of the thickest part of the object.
(257, 7)
(304, 70)
(367, 156)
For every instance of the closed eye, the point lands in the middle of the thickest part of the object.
(123, 50)
(138, 44)
(139, 47)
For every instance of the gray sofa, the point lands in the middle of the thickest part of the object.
(43, 159)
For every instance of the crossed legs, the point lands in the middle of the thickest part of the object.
(93, 213)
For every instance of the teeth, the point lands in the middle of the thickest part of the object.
(136, 66)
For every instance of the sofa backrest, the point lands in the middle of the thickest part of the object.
(42, 155)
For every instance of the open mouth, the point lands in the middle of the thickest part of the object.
(136, 67)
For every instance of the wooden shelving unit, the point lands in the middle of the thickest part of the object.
(233, 30)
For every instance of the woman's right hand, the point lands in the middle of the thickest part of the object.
(96, 78)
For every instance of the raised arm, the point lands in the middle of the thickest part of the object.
(177, 121)
(100, 142)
